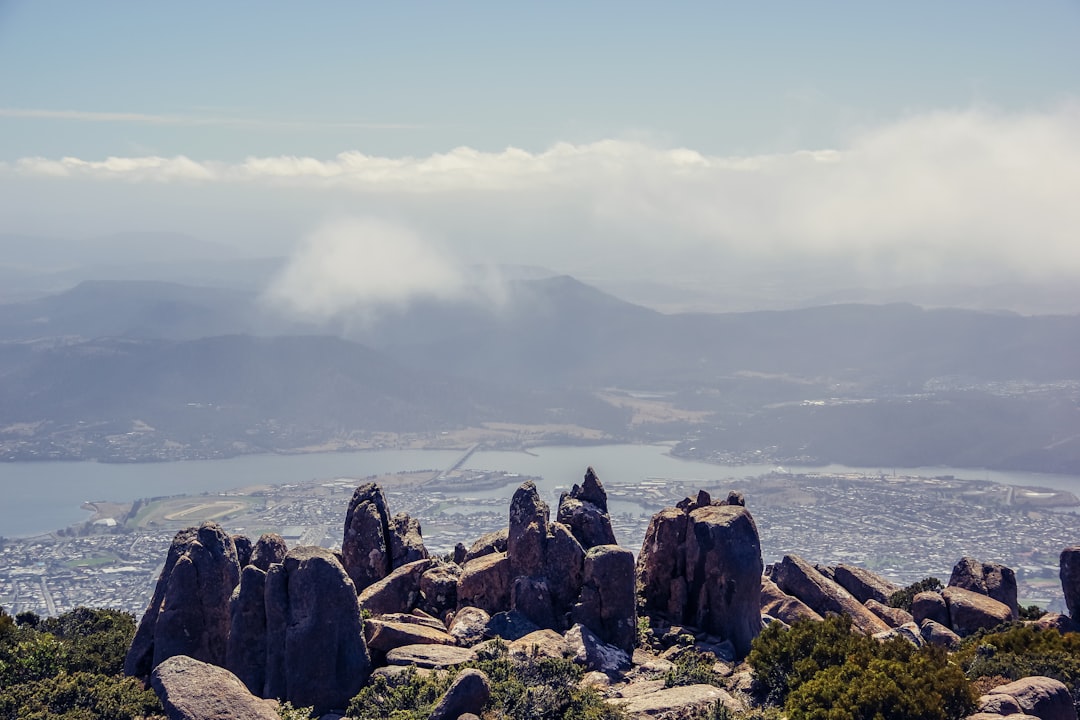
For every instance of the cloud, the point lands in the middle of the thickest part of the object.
(362, 264)
(960, 195)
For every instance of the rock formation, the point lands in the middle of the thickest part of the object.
(189, 611)
(779, 605)
(700, 564)
(246, 650)
(584, 510)
(1070, 579)
(863, 584)
(545, 562)
(991, 579)
(268, 550)
(797, 577)
(1038, 696)
(194, 690)
(375, 543)
(607, 603)
(971, 611)
(930, 605)
(466, 695)
(316, 653)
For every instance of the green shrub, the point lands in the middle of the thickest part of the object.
(530, 689)
(1031, 612)
(692, 668)
(902, 598)
(784, 658)
(1021, 650)
(896, 682)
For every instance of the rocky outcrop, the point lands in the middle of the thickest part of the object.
(584, 510)
(194, 690)
(468, 694)
(937, 634)
(676, 702)
(893, 617)
(607, 603)
(242, 543)
(316, 654)
(468, 626)
(485, 583)
(1039, 696)
(375, 543)
(430, 656)
(438, 588)
(930, 605)
(700, 564)
(1070, 579)
(246, 648)
(492, 542)
(385, 635)
(189, 611)
(590, 651)
(270, 549)
(971, 611)
(398, 592)
(797, 577)
(863, 584)
(991, 579)
(779, 605)
(546, 562)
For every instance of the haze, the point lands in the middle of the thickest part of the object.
(702, 156)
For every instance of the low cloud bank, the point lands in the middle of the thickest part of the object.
(967, 195)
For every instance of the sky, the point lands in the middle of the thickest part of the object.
(881, 143)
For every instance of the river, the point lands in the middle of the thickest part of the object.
(39, 497)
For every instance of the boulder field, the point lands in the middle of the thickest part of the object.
(258, 621)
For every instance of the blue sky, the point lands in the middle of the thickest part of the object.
(899, 138)
(418, 78)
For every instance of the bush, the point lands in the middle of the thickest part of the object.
(530, 689)
(784, 658)
(897, 682)
(902, 598)
(1019, 651)
(692, 668)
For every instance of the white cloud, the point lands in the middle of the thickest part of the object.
(967, 195)
(362, 263)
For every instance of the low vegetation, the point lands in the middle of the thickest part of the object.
(902, 598)
(1017, 650)
(821, 670)
(69, 667)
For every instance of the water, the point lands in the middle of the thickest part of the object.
(44, 496)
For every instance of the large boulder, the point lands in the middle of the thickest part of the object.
(322, 659)
(485, 583)
(585, 648)
(492, 542)
(937, 634)
(430, 656)
(677, 702)
(797, 577)
(893, 617)
(385, 635)
(1070, 579)
(929, 605)
(374, 542)
(398, 592)
(1042, 697)
(438, 588)
(971, 611)
(193, 690)
(269, 549)
(700, 564)
(468, 694)
(584, 510)
(469, 625)
(189, 611)
(608, 603)
(863, 584)
(527, 532)
(990, 579)
(788, 609)
(246, 648)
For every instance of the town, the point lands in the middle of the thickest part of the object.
(903, 527)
